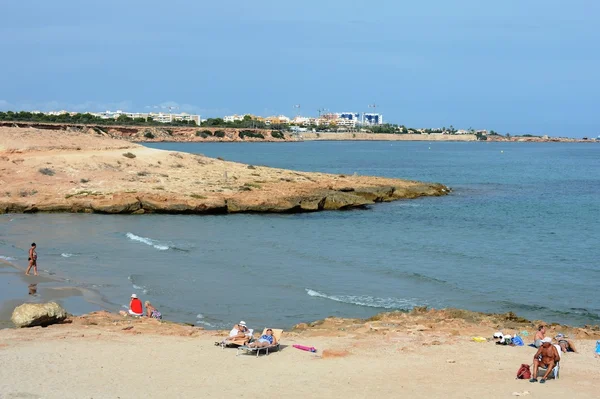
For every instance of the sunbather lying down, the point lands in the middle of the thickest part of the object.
(265, 340)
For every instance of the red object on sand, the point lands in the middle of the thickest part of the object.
(305, 348)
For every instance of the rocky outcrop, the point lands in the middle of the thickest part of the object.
(58, 171)
(319, 200)
(38, 314)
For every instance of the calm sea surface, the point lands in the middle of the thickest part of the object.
(520, 232)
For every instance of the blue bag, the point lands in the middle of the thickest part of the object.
(518, 341)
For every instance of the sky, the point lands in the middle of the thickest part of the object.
(514, 66)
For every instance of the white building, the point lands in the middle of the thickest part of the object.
(233, 118)
(372, 119)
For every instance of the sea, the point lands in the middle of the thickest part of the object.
(520, 233)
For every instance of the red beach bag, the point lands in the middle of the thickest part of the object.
(524, 372)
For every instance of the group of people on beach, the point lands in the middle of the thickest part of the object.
(136, 309)
(548, 354)
(240, 335)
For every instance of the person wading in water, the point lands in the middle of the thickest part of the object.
(32, 260)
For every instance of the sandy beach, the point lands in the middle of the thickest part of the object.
(107, 356)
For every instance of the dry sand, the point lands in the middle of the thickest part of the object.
(152, 360)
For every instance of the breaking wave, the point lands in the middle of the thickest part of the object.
(7, 258)
(366, 300)
(148, 241)
(67, 255)
(135, 286)
(201, 320)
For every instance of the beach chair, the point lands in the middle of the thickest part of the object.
(266, 349)
(239, 342)
(555, 373)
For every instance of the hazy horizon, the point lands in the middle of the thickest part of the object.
(511, 67)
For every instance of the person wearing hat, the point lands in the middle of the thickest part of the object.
(547, 357)
(239, 335)
(135, 306)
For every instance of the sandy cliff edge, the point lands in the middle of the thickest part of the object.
(64, 171)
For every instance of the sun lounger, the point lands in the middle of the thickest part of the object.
(265, 349)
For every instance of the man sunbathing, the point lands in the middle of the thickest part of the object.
(566, 345)
(547, 356)
(265, 340)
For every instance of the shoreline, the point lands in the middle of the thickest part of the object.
(75, 295)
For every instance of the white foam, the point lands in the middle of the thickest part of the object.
(143, 289)
(366, 300)
(199, 316)
(7, 258)
(66, 255)
(205, 323)
(147, 241)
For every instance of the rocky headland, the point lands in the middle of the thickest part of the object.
(87, 171)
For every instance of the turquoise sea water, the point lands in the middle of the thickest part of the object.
(519, 233)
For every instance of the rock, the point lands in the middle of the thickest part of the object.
(450, 361)
(38, 314)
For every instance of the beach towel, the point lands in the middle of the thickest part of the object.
(517, 341)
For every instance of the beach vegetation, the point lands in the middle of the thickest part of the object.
(277, 134)
(148, 134)
(82, 193)
(253, 185)
(204, 133)
(220, 133)
(143, 173)
(129, 155)
(85, 119)
(47, 171)
(250, 133)
(197, 196)
(84, 181)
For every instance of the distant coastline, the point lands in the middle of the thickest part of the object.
(142, 134)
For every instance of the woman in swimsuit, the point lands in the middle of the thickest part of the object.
(265, 340)
(32, 260)
(151, 311)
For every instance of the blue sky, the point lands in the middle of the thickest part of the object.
(518, 66)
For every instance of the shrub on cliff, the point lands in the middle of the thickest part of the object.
(148, 134)
(203, 133)
(249, 133)
(220, 133)
(46, 171)
(277, 134)
(129, 155)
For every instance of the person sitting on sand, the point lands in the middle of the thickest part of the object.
(32, 260)
(539, 336)
(547, 357)
(565, 344)
(267, 339)
(151, 311)
(135, 306)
